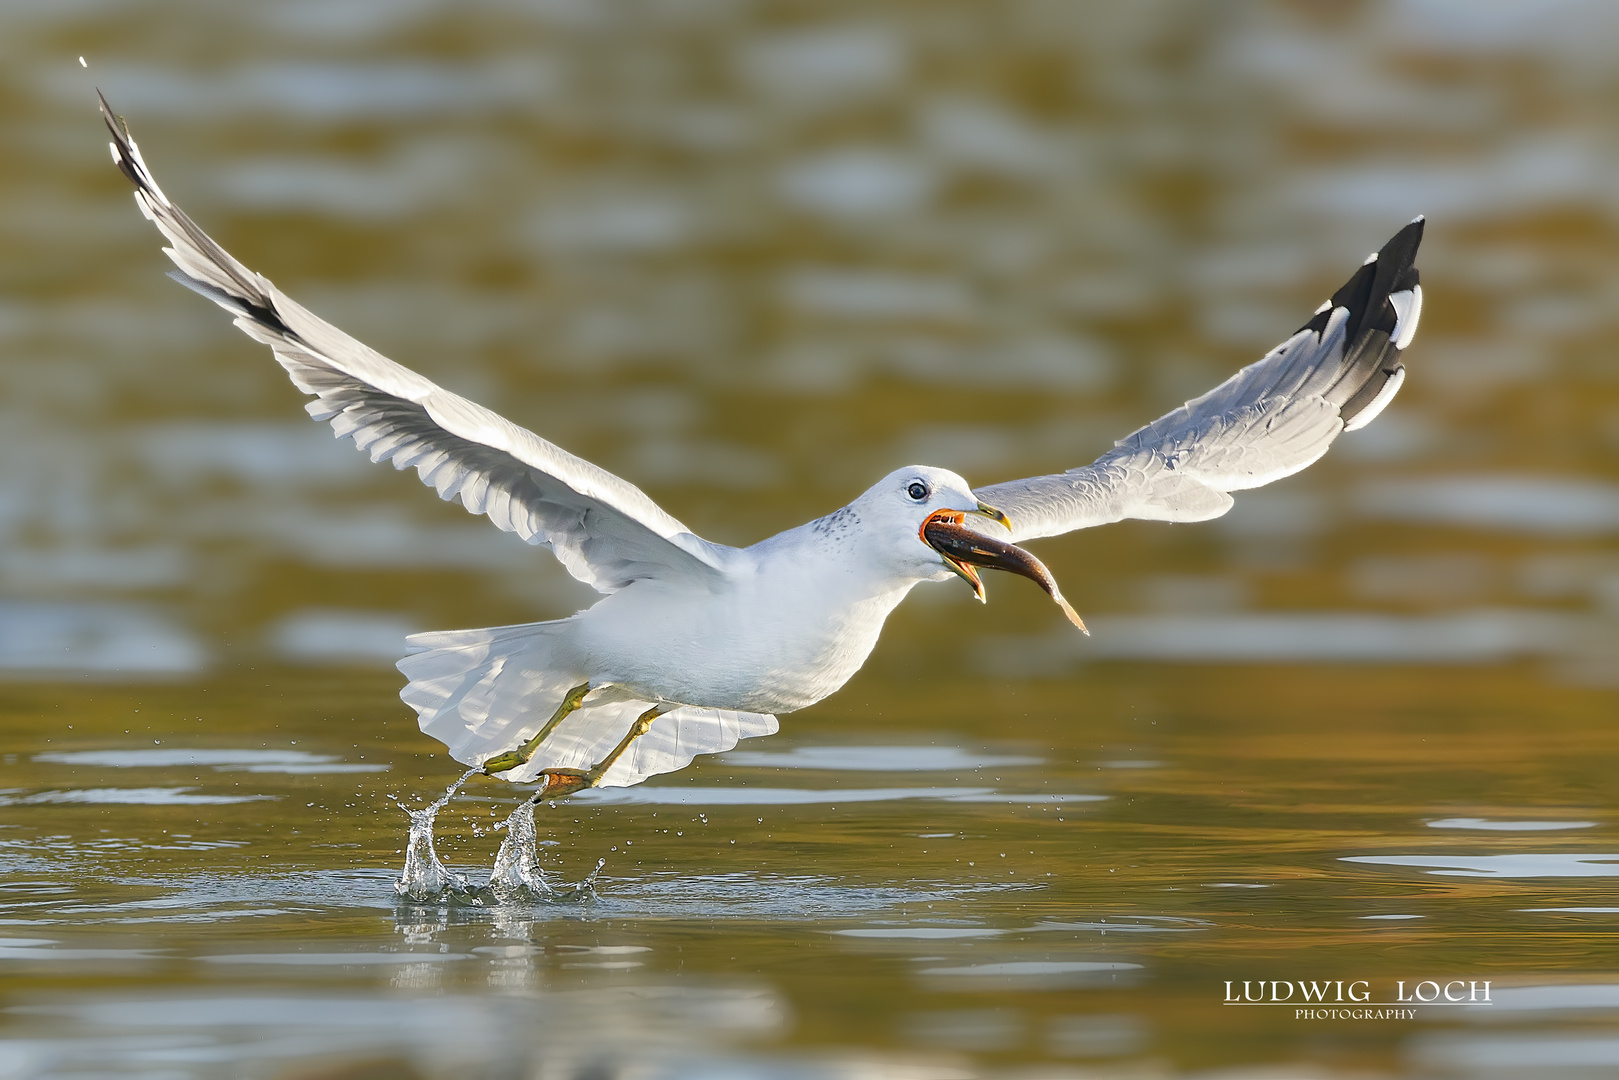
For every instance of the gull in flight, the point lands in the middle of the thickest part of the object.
(697, 645)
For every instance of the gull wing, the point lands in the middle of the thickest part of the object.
(606, 531)
(1269, 420)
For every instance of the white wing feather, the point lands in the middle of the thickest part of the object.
(1271, 419)
(606, 531)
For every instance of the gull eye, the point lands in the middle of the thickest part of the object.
(917, 491)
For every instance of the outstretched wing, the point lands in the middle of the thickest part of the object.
(1269, 420)
(603, 529)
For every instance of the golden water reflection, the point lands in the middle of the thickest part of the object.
(752, 257)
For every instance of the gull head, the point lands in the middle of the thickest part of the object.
(940, 527)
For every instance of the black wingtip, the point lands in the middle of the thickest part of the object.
(121, 141)
(115, 123)
(1401, 250)
(1365, 294)
(1373, 331)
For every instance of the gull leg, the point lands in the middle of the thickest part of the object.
(559, 782)
(511, 759)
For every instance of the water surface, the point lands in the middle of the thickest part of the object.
(753, 257)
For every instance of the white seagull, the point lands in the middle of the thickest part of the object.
(697, 645)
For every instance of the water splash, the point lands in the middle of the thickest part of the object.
(424, 878)
(517, 874)
(518, 877)
(583, 891)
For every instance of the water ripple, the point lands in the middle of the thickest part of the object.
(1559, 864)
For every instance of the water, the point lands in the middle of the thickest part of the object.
(516, 879)
(424, 877)
(753, 257)
(518, 873)
(1407, 826)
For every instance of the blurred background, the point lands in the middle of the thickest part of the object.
(752, 255)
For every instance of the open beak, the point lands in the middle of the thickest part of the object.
(963, 549)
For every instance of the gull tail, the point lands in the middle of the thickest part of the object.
(483, 692)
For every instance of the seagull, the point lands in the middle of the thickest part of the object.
(697, 645)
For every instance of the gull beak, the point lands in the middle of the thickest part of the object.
(963, 549)
(994, 515)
